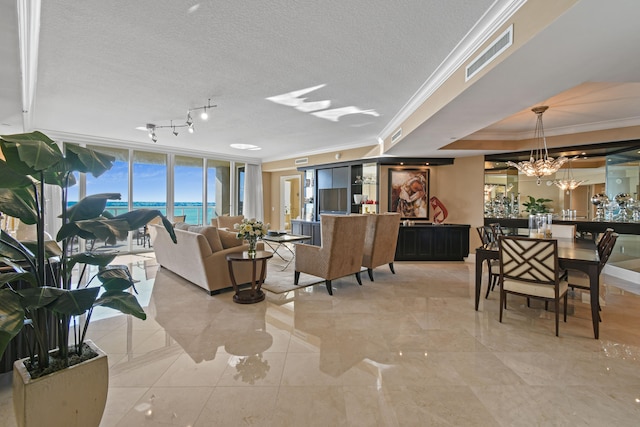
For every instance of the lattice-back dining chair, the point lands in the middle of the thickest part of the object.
(529, 268)
(493, 265)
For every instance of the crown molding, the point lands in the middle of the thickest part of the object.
(29, 45)
(499, 13)
(556, 131)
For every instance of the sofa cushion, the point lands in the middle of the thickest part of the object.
(229, 239)
(211, 234)
(229, 221)
(181, 226)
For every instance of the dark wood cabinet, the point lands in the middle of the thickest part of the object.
(333, 177)
(433, 243)
(307, 228)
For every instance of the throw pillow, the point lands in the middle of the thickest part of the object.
(181, 226)
(211, 234)
(229, 221)
(229, 239)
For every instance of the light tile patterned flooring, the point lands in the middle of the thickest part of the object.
(405, 350)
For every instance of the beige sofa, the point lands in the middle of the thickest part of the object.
(199, 255)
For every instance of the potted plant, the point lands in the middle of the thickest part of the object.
(42, 285)
(536, 206)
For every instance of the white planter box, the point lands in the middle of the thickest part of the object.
(75, 396)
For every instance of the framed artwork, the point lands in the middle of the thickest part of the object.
(409, 193)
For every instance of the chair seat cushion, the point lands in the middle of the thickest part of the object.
(533, 289)
(578, 279)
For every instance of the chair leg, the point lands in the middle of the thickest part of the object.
(328, 284)
(359, 279)
(557, 304)
(565, 307)
(503, 302)
(489, 285)
(370, 272)
(296, 277)
(391, 267)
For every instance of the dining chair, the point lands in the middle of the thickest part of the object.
(493, 265)
(529, 268)
(578, 279)
(563, 231)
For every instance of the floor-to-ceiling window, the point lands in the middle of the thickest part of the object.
(149, 177)
(187, 178)
(240, 187)
(218, 189)
(171, 183)
(115, 180)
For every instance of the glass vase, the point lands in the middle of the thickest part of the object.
(252, 246)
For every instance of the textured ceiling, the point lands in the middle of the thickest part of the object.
(107, 67)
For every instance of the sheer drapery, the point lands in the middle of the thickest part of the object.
(253, 204)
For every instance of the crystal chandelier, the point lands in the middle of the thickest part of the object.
(542, 164)
(568, 182)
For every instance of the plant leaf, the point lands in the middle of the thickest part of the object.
(123, 302)
(30, 153)
(19, 203)
(9, 178)
(92, 258)
(33, 298)
(12, 249)
(86, 160)
(11, 317)
(90, 207)
(74, 302)
(115, 277)
(140, 217)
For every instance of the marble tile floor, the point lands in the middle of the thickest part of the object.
(405, 350)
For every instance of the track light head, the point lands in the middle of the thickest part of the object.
(154, 138)
(190, 128)
(189, 119)
(175, 132)
(204, 115)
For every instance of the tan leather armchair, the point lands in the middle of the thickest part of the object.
(340, 253)
(380, 241)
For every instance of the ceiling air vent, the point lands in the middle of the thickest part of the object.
(396, 135)
(498, 46)
(302, 161)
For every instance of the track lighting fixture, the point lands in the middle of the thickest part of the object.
(151, 128)
(204, 115)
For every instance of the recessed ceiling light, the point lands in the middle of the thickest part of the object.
(245, 147)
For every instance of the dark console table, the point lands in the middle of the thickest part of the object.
(432, 242)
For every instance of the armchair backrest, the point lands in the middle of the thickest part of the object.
(343, 237)
(381, 239)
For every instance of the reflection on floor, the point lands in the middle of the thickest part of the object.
(407, 349)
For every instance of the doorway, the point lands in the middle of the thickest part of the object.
(289, 200)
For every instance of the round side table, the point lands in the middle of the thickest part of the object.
(254, 294)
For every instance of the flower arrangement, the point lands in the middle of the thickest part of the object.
(251, 230)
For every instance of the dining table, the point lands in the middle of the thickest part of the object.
(573, 254)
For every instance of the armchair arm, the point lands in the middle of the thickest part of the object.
(312, 260)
